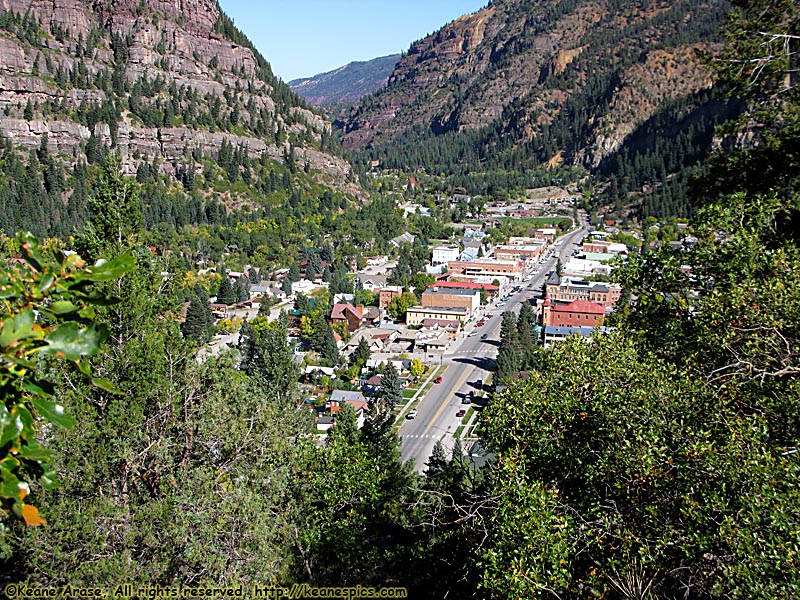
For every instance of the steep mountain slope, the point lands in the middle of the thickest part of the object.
(538, 82)
(151, 78)
(349, 83)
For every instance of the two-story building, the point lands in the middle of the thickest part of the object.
(567, 289)
(487, 267)
(436, 297)
(348, 314)
(387, 293)
(444, 254)
(582, 313)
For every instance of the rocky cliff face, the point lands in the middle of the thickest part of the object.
(595, 66)
(150, 77)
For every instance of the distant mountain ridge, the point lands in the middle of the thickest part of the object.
(346, 84)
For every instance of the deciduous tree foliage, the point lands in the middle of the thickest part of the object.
(665, 455)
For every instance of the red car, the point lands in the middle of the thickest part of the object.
(438, 379)
(461, 413)
(479, 324)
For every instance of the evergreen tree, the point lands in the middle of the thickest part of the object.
(294, 272)
(345, 430)
(361, 354)
(286, 286)
(267, 357)
(239, 290)
(328, 350)
(391, 390)
(195, 327)
(311, 271)
(437, 463)
(225, 293)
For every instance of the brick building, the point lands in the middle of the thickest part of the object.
(578, 313)
(567, 289)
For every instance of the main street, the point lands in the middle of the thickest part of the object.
(469, 363)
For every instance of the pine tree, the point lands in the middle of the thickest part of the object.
(361, 354)
(329, 351)
(294, 272)
(195, 327)
(391, 390)
(225, 293)
(286, 286)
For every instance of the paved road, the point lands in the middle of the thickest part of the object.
(471, 360)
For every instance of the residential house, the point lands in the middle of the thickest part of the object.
(450, 327)
(341, 398)
(348, 314)
(405, 238)
(469, 253)
(277, 293)
(371, 315)
(431, 341)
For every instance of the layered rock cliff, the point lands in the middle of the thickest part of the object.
(152, 78)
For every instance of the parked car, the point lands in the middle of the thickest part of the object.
(437, 380)
(461, 413)
(411, 414)
(479, 324)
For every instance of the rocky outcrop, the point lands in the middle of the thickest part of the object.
(176, 42)
(519, 65)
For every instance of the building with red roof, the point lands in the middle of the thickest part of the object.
(578, 313)
(348, 314)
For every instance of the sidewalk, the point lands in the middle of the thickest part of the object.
(407, 406)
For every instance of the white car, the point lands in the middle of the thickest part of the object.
(411, 414)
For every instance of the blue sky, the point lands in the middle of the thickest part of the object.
(301, 38)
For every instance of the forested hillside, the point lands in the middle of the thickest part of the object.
(521, 87)
(178, 92)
